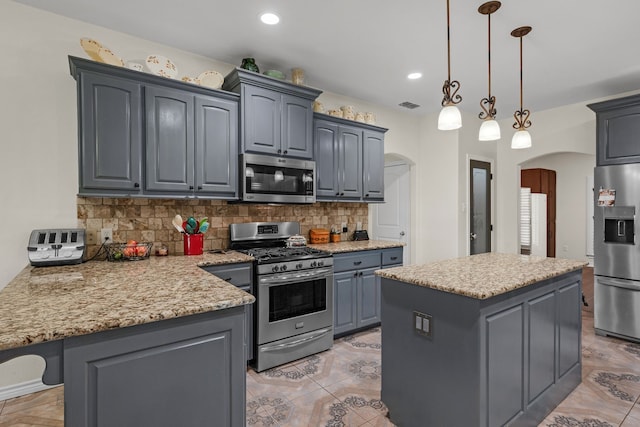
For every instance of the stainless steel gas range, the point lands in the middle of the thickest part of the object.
(294, 292)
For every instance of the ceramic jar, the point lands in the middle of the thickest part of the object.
(370, 118)
(335, 113)
(359, 117)
(297, 76)
(250, 64)
(318, 107)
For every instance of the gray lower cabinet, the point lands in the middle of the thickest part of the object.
(142, 135)
(356, 289)
(240, 275)
(188, 371)
(508, 360)
(349, 160)
(110, 123)
(617, 130)
(191, 144)
(276, 116)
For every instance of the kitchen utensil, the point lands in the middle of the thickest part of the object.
(191, 222)
(204, 226)
(177, 223)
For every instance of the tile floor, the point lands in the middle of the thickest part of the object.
(341, 387)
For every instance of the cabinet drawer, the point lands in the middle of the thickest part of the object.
(391, 256)
(236, 274)
(356, 261)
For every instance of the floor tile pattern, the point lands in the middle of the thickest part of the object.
(341, 387)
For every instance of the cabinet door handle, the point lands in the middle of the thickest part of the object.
(357, 262)
(355, 274)
(366, 195)
(199, 187)
(279, 151)
(285, 152)
(136, 185)
(338, 193)
(342, 194)
(360, 274)
(191, 187)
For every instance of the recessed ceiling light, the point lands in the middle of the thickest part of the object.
(414, 76)
(270, 18)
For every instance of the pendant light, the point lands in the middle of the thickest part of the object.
(490, 129)
(450, 117)
(522, 138)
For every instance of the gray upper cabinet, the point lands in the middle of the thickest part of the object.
(191, 144)
(373, 166)
(216, 165)
(618, 130)
(276, 116)
(170, 141)
(109, 117)
(349, 160)
(182, 141)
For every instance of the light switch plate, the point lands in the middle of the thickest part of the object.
(423, 323)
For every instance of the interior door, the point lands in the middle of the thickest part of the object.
(480, 207)
(391, 220)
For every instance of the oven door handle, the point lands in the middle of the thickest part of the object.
(284, 278)
(304, 338)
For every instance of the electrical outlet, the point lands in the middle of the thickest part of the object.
(106, 234)
(344, 227)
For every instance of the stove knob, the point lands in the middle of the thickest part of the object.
(275, 269)
(320, 263)
(314, 264)
(283, 268)
(299, 265)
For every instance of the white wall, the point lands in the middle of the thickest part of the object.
(569, 128)
(572, 170)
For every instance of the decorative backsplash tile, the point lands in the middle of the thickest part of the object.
(149, 220)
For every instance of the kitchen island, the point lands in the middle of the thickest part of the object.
(485, 340)
(158, 342)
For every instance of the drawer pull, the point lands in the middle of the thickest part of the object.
(228, 279)
(393, 258)
(357, 262)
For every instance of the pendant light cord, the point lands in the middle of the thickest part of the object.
(448, 45)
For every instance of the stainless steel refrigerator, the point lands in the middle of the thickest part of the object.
(616, 251)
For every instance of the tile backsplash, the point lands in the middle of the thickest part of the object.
(149, 220)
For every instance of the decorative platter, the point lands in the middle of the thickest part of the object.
(162, 66)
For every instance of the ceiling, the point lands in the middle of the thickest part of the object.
(578, 49)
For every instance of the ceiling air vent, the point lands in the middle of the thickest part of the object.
(409, 105)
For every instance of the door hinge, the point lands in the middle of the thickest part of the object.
(490, 176)
(491, 227)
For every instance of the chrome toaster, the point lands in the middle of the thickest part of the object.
(56, 246)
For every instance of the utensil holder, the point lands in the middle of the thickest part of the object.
(193, 244)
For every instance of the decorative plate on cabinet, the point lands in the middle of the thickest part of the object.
(91, 47)
(109, 57)
(162, 66)
(212, 79)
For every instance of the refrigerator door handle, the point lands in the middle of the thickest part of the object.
(627, 284)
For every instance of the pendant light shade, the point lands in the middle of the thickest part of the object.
(522, 138)
(450, 117)
(490, 129)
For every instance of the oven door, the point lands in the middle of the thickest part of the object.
(294, 303)
(277, 179)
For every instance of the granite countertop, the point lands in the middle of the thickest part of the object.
(482, 276)
(49, 303)
(354, 246)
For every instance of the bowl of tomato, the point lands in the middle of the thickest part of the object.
(130, 251)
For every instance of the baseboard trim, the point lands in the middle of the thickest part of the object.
(20, 389)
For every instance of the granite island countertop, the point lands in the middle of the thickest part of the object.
(49, 303)
(355, 246)
(482, 276)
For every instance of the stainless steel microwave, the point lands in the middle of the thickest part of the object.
(270, 179)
